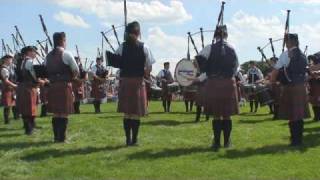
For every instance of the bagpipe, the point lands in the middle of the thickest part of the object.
(283, 76)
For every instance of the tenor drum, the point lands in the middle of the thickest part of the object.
(185, 72)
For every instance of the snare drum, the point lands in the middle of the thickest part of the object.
(264, 96)
(173, 88)
(248, 89)
(156, 92)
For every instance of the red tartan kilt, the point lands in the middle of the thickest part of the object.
(7, 98)
(78, 90)
(315, 94)
(60, 98)
(189, 95)
(293, 103)
(97, 92)
(132, 97)
(166, 95)
(221, 98)
(200, 95)
(27, 99)
(44, 94)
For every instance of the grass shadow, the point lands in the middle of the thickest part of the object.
(55, 153)
(171, 113)
(22, 145)
(310, 141)
(169, 122)
(9, 135)
(255, 121)
(110, 117)
(168, 153)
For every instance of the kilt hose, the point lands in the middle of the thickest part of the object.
(293, 103)
(221, 97)
(132, 97)
(60, 98)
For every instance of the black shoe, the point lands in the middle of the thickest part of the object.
(43, 111)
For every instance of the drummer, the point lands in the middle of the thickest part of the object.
(254, 76)
(165, 77)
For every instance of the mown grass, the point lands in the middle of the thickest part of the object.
(171, 147)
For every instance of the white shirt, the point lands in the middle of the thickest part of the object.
(68, 59)
(147, 52)
(5, 72)
(255, 71)
(29, 67)
(284, 59)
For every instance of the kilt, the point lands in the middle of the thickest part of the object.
(166, 94)
(27, 99)
(293, 103)
(60, 98)
(221, 98)
(189, 95)
(200, 95)
(98, 91)
(8, 97)
(78, 90)
(44, 94)
(315, 93)
(132, 97)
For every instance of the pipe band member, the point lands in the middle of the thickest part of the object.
(314, 83)
(62, 68)
(8, 88)
(99, 91)
(165, 78)
(293, 101)
(27, 90)
(221, 89)
(254, 76)
(134, 59)
(78, 86)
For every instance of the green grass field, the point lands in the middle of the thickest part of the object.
(172, 146)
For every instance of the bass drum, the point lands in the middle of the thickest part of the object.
(185, 72)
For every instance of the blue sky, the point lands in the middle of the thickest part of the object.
(165, 23)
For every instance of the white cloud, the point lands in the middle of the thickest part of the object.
(152, 11)
(71, 20)
(166, 47)
(300, 1)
